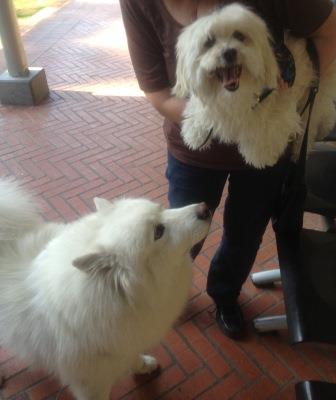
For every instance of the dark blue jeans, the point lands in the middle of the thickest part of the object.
(251, 201)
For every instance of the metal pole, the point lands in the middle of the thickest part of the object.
(265, 278)
(11, 41)
(270, 324)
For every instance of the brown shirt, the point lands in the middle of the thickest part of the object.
(152, 34)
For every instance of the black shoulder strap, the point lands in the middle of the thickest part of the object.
(312, 52)
(313, 55)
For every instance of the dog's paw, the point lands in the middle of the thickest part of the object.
(190, 142)
(146, 365)
(260, 158)
(261, 163)
(196, 140)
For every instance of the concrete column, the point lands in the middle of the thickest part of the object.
(19, 85)
(12, 45)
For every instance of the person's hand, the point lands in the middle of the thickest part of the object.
(167, 105)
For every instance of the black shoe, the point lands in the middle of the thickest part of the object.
(230, 320)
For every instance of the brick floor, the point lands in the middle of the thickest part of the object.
(97, 135)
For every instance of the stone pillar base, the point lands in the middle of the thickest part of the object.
(27, 90)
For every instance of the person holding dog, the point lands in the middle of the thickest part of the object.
(152, 29)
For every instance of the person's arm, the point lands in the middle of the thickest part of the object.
(149, 65)
(325, 41)
(315, 19)
(166, 104)
(148, 60)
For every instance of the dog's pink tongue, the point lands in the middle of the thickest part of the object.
(230, 78)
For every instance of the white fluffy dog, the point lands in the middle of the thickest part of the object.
(86, 299)
(224, 62)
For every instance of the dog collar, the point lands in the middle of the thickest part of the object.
(287, 69)
(265, 92)
(285, 62)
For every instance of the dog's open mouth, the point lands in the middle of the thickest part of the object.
(229, 76)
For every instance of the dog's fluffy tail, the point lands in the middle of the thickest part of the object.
(18, 213)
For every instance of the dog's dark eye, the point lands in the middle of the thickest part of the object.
(158, 231)
(211, 40)
(239, 36)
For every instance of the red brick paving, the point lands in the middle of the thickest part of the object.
(96, 135)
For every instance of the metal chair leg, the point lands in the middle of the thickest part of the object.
(269, 324)
(266, 278)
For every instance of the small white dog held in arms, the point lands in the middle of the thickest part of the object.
(225, 61)
(84, 300)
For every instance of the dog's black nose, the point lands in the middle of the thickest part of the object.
(203, 212)
(230, 55)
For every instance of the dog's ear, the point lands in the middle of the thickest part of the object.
(270, 64)
(104, 264)
(183, 67)
(93, 262)
(101, 203)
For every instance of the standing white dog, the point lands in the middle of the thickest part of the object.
(86, 299)
(224, 63)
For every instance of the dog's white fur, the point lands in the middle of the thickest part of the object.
(86, 299)
(263, 132)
